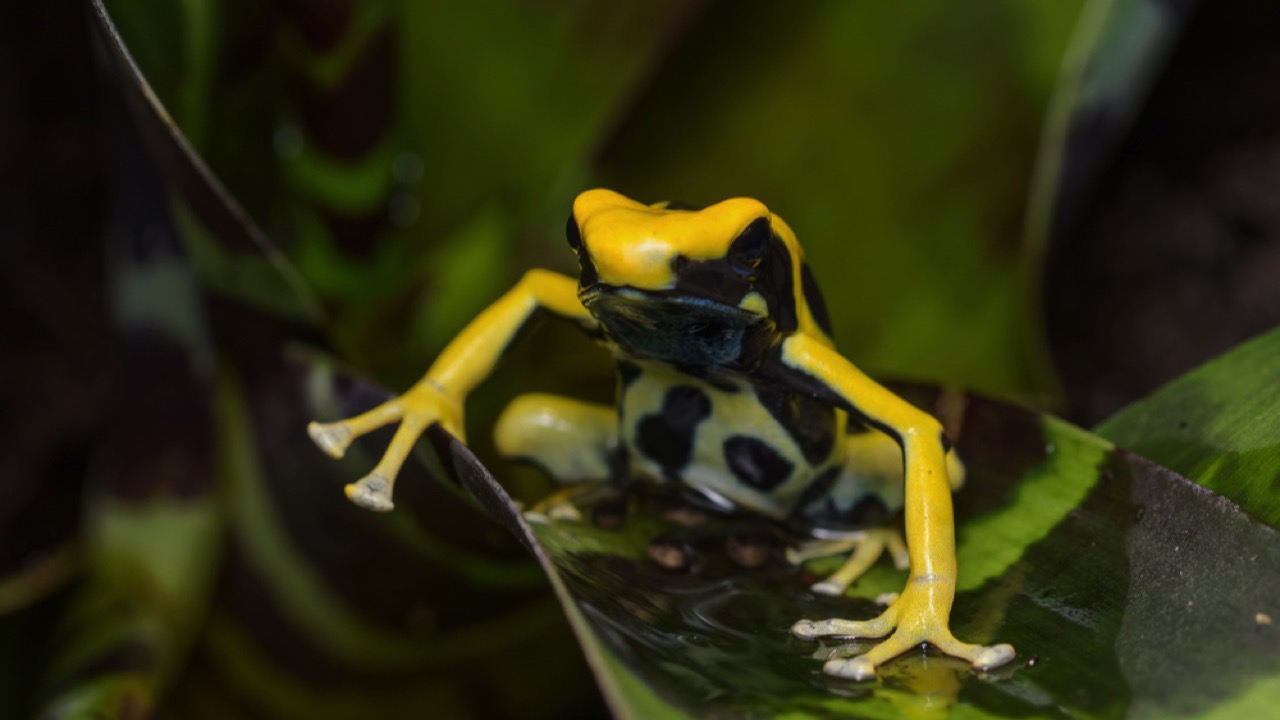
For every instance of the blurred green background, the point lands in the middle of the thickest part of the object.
(411, 160)
(414, 158)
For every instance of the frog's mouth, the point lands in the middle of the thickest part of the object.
(677, 328)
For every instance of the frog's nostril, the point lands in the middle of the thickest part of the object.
(704, 329)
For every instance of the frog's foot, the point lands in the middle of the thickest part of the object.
(867, 547)
(371, 492)
(415, 410)
(332, 438)
(559, 505)
(918, 616)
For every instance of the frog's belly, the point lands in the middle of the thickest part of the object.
(722, 442)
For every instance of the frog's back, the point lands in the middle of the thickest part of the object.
(740, 443)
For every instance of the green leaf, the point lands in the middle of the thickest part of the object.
(152, 525)
(190, 201)
(1103, 569)
(1116, 54)
(1216, 425)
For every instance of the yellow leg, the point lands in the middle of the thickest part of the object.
(867, 548)
(559, 504)
(571, 440)
(873, 464)
(335, 438)
(439, 396)
(921, 613)
(820, 549)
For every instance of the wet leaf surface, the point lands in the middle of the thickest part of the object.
(1124, 586)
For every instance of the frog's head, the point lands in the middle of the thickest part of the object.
(709, 287)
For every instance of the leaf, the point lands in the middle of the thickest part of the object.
(1115, 56)
(233, 256)
(329, 611)
(153, 520)
(1216, 425)
(1103, 569)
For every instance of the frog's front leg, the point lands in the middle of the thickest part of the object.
(440, 395)
(415, 410)
(872, 468)
(572, 441)
(921, 614)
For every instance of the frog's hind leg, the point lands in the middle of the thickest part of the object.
(864, 549)
(573, 441)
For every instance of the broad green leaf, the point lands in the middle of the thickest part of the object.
(1103, 569)
(1216, 425)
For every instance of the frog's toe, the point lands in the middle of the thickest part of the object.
(332, 438)
(807, 630)
(982, 657)
(565, 511)
(863, 667)
(559, 505)
(372, 492)
(993, 656)
(543, 513)
(913, 620)
(835, 627)
(867, 547)
(828, 587)
(855, 668)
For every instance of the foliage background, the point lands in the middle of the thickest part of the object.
(413, 158)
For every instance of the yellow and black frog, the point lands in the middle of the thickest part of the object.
(729, 384)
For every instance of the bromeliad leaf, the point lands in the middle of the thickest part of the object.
(1216, 425)
(1103, 569)
(1115, 56)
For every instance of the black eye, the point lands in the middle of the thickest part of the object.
(751, 247)
(573, 234)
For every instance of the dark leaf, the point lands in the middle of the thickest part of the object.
(1216, 425)
(1104, 570)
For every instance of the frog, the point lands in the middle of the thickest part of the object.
(729, 385)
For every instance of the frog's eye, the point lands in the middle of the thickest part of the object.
(573, 234)
(751, 246)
